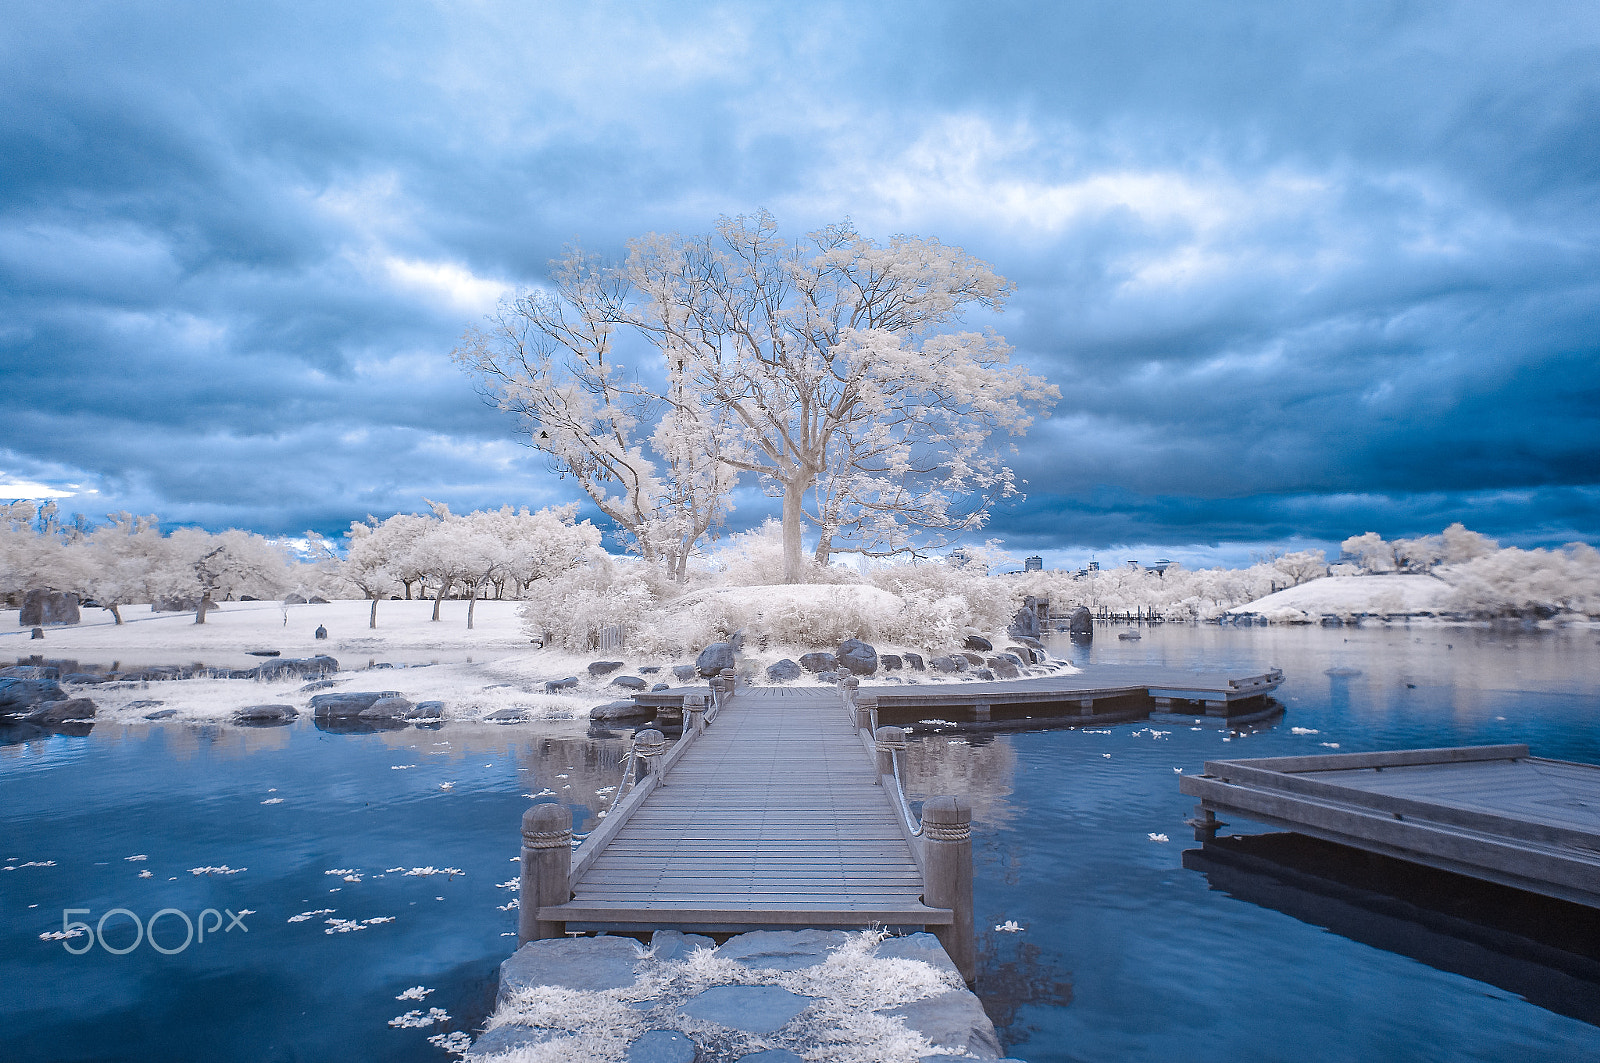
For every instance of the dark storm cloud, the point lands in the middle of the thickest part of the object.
(1298, 270)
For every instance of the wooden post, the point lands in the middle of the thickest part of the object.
(648, 745)
(1205, 824)
(546, 868)
(947, 867)
(847, 692)
(888, 740)
(867, 713)
(694, 708)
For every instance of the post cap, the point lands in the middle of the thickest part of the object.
(649, 742)
(947, 819)
(546, 818)
(890, 737)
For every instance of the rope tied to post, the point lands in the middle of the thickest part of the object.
(547, 839)
(946, 832)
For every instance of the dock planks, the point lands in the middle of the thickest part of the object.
(1491, 812)
(770, 817)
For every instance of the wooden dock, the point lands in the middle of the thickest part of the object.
(772, 816)
(1491, 812)
(1095, 695)
(777, 808)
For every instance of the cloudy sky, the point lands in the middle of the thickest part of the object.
(1300, 270)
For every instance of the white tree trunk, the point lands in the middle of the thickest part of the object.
(372, 621)
(794, 493)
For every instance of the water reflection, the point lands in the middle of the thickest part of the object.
(1544, 950)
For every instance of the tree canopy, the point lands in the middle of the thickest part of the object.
(827, 367)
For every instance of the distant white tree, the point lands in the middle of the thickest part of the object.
(1299, 566)
(206, 567)
(816, 365)
(126, 553)
(367, 564)
(1371, 552)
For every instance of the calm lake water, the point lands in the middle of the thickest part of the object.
(1124, 954)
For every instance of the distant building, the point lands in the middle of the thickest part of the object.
(1033, 564)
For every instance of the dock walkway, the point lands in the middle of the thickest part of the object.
(771, 817)
(1490, 812)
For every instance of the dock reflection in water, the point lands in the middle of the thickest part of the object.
(1544, 950)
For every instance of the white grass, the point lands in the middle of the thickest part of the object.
(474, 673)
(843, 1025)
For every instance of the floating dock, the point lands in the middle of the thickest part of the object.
(1490, 812)
(1092, 696)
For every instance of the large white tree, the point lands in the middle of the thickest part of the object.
(825, 366)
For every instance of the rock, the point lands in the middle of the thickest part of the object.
(320, 684)
(294, 599)
(349, 704)
(782, 950)
(161, 714)
(393, 707)
(428, 710)
(774, 1055)
(600, 668)
(683, 672)
(821, 661)
(662, 1046)
(649, 669)
(60, 711)
(660, 686)
(510, 715)
(1024, 622)
(1004, 666)
(672, 945)
(45, 608)
(978, 642)
(626, 709)
(954, 1020)
(1031, 643)
(19, 696)
(572, 963)
(950, 662)
(784, 671)
(924, 947)
(985, 674)
(1026, 654)
(265, 714)
(283, 667)
(263, 653)
(1080, 623)
(31, 671)
(914, 662)
(36, 633)
(831, 677)
(716, 657)
(757, 1009)
(503, 1039)
(629, 682)
(316, 599)
(554, 685)
(891, 662)
(857, 657)
(84, 678)
(974, 659)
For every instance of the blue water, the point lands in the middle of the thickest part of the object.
(1123, 955)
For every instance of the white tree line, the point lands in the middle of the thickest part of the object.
(129, 560)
